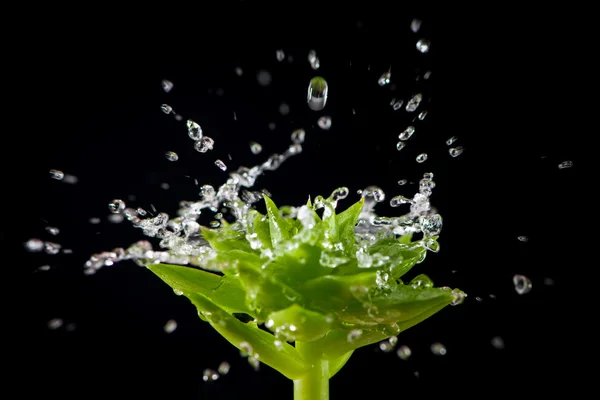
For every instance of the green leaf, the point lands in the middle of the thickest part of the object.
(226, 239)
(346, 222)
(284, 359)
(279, 226)
(224, 291)
(299, 324)
(333, 293)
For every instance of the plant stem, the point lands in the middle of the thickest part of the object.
(315, 384)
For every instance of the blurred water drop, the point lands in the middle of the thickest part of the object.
(116, 206)
(52, 230)
(317, 93)
(56, 174)
(324, 122)
(407, 133)
(497, 342)
(313, 60)
(194, 130)
(385, 78)
(523, 238)
(280, 55)
(438, 349)
(44, 268)
(423, 45)
(414, 102)
(397, 105)
(450, 141)
(422, 115)
(166, 108)
(272, 126)
(400, 145)
(238, 71)
(170, 326)
(386, 346)
(264, 77)
(402, 182)
(422, 157)
(565, 165)
(404, 352)
(456, 151)
(210, 375)
(71, 179)
(522, 284)
(171, 156)
(255, 148)
(204, 144)
(298, 136)
(354, 335)
(221, 165)
(415, 25)
(34, 245)
(55, 323)
(284, 109)
(214, 224)
(167, 85)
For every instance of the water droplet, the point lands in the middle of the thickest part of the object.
(56, 174)
(278, 343)
(422, 157)
(264, 77)
(284, 109)
(94, 221)
(221, 165)
(194, 130)
(210, 375)
(167, 85)
(171, 156)
(313, 60)
(204, 144)
(298, 136)
(70, 179)
(459, 297)
(116, 206)
(340, 193)
(354, 335)
(427, 75)
(438, 349)
(245, 349)
(397, 105)
(415, 25)
(397, 201)
(52, 230)
(422, 115)
(324, 122)
(523, 238)
(272, 126)
(407, 133)
(400, 145)
(214, 224)
(414, 102)
(164, 186)
(497, 342)
(255, 148)
(238, 71)
(565, 165)
(384, 79)
(254, 362)
(522, 284)
(170, 326)
(317, 93)
(456, 151)
(44, 268)
(177, 292)
(404, 352)
(450, 141)
(166, 108)
(55, 323)
(224, 368)
(386, 346)
(423, 45)
(402, 182)
(280, 55)
(548, 281)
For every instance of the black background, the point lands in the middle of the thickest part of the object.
(88, 103)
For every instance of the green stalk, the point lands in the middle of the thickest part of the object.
(314, 385)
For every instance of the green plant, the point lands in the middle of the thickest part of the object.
(322, 289)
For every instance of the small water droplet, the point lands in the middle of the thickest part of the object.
(94, 221)
(317, 93)
(354, 335)
(224, 368)
(450, 141)
(422, 115)
(255, 148)
(264, 77)
(298, 136)
(402, 182)
(221, 165)
(565, 165)
(397, 105)
(438, 349)
(204, 144)
(397, 201)
(427, 75)
(56, 174)
(167, 85)
(245, 349)
(423, 45)
(548, 281)
(384, 79)
(44, 268)
(400, 145)
(170, 326)
(497, 342)
(340, 193)
(386, 346)
(177, 292)
(55, 323)
(415, 25)
(280, 55)
(194, 130)
(407, 133)
(214, 224)
(210, 375)
(428, 175)
(523, 238)
(456, 151)
(404, 352)
(166, 108)
(422, 157)
(171, 156)
(414, 102)
(284, 109)
(116, 206)
(52, 230)
(238, 71)
(522, 284)
(324, 122)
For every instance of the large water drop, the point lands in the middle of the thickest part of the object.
(317, 93)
